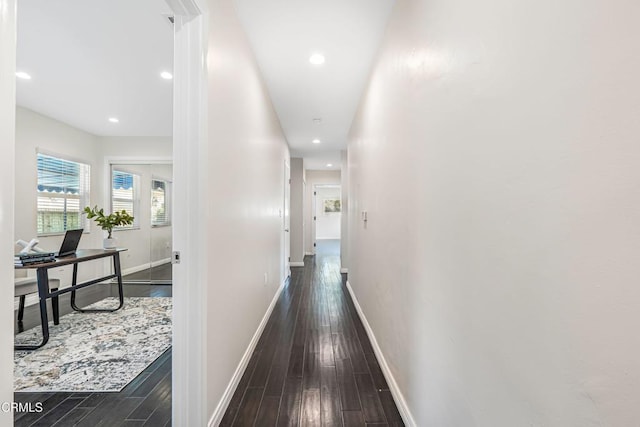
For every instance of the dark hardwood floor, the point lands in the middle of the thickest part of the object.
(314, 364)
(146, 401)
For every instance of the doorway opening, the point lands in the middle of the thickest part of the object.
(327, 215)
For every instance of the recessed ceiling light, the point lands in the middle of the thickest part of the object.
(317, 59)
(316, 141)
(113, 119)
(22, 75)
(329, 165)
(166, 75)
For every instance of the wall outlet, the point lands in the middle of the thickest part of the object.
(266, 279)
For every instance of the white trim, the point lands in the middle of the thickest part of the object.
(190, 154)
(344, 270)
(216, 418)
(399, 399)
(296, 264)
(309, 253)
(160, 262)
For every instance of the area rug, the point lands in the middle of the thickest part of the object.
(95, 351)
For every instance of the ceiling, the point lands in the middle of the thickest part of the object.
(284, 34)
(92, 60)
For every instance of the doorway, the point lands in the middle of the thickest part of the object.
(327, 215)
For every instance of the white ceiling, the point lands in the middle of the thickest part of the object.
(284, 34)
(91, 60)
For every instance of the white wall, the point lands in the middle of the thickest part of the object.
(496, 151)
(297, 210)
(7, 147)
(137, 147)
(313, 178)
(33, 132)
(244, 195)
(327, 224)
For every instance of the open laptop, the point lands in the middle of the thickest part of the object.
(70, 243)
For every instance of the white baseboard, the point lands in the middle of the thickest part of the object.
(296, 264)
(145, 266)
(344, 270)
(135, 269)
(160, 262)
(401, 403)
(216, 418)
(309, 253)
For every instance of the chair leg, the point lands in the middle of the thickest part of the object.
(21, 308)
(55, 307)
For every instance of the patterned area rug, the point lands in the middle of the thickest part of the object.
(95, 351)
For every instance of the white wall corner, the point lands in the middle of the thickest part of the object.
(216, 418)
(398, 397)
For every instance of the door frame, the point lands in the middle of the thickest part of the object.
(7, 195)
(189, 357)
(189, 391)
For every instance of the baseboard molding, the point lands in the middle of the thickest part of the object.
(160, 262)
(136, 269)
(309, 253)
(216, 418)
(344, 270)
(296, 264)
(401, 403)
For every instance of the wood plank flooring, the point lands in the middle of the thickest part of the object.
(314, 364)
(146, 401)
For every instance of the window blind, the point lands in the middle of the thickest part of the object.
(62, 193)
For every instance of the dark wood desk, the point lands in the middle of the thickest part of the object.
(81, 255)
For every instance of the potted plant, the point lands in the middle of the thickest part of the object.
(108, 222)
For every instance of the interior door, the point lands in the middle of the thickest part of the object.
(286, 222)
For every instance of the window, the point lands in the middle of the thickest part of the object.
(124, 194)
(160, 191)
(63, 191)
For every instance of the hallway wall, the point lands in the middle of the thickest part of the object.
(245, 180)
(496, 152)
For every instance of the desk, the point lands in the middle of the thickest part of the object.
(42, 273)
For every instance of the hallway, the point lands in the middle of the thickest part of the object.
(314, 364)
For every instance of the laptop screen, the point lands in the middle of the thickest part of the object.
(70, 242)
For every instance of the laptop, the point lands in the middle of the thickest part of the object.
(70, 243)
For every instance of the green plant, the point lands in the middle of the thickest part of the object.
(108, 222)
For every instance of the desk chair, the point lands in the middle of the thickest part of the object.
(27, 286)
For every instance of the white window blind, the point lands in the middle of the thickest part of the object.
(124, 194)
(160, 214)
(63, 191)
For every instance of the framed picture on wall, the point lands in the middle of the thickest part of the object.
(331, 205)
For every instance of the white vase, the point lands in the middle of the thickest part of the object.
(109, 243)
